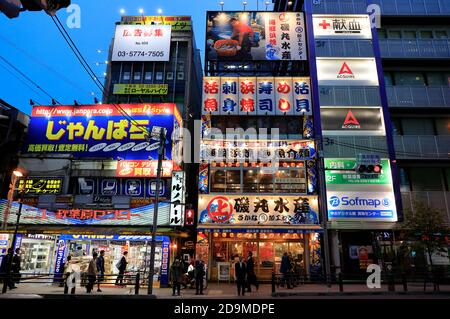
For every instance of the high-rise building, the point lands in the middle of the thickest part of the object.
(411, 48)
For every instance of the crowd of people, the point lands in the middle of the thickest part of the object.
(290, 271)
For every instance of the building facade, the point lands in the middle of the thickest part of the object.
(411, 43)
(91, 170)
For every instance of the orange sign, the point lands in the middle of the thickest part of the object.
(143, 169)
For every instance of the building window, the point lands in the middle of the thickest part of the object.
(382, 34)
(409, 78)
(426, 179)
(395, 34)
(443, 126)
(225, 181)
(148, 76)
(441, 34)
(159, 76)
(126, 76)
(409, 34)
(180, 76)
(428, 34)
(435, 78)
(388, 78)
(404, 181)
(137, 76)
(169, 76)
(417, 126)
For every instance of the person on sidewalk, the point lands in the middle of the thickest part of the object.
(68, 270)
(5, 270)
(240, 272)
(251, 275)
(92, 273)
(285, 269)
(16, 262)
(176, 271)
(100, 269)
(122, 266)
(199, 273)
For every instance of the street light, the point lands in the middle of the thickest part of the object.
(14, 179)
(244, 3)
(122, 11)
(160, 11)
(267, 3)
(141, 11)
(161, 135)
(221, 3)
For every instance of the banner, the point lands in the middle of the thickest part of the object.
(143, 169)
(177, 199)
(178, 23)
(42, 185)
(101, 130)
(347, 72)
(141, 89)
(256, 96)
(352, 121)
(243, 210)
(142, 43)
(257, 36)
(338, 26)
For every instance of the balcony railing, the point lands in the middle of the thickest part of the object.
(422, 146)
(435, 199)
(344, 48)
(418, 96)
(415, 48)
(406, 146)
(349, 96)
(388, 7)
(414, 7)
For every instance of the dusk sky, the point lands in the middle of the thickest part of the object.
(33, 44)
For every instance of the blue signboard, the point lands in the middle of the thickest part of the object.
(101, 131)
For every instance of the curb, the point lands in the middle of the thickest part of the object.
(363, 293)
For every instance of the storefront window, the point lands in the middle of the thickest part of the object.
(290, 181)
(219, 252)
(235, 250)
(266, 254)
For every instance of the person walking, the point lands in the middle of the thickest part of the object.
(176, 271)
(122, 266)
(285, 269)
(5, 270)
(199, 273)
(240, 272)
(92, 273)
(251, 275)
(68, 270)
(16, 267)
(100, 269)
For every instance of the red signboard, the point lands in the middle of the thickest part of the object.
(143, 169)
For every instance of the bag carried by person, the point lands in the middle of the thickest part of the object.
(119, 264)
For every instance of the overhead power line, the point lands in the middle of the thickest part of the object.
(68, 39)
(27, 78)
(23, 81)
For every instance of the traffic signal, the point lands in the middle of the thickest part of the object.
(369, 169)
(189, 217)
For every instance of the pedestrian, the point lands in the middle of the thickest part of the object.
(285, 269)
(251, 275)
(100, 269)
(199, 273)
(122, 266)
(5, 270)
(240, 272)
(92, 273)
(68, 270)
(16, 267)
(176, 271)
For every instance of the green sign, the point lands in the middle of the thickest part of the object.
(341, 171)
(144, 89)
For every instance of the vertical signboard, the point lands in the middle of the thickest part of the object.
(247, 95)
(302, 95)
(283, 96)
(177, 205)
(266, 96)
(211, 95)
(229, 96)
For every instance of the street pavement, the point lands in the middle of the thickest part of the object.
(34, 289)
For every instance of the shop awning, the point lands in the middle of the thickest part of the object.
(278, 229)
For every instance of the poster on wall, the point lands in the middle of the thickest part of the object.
(257, 36)
(347, 71)
(142, 43)
(102, 131)
(339, 26)
(242, 210)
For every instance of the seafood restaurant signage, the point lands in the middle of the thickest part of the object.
(242, 210)
(256, 96)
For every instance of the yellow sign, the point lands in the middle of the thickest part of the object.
(178, 23)
(144, 89)
(38, 185)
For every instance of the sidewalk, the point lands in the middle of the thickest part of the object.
(223, 291)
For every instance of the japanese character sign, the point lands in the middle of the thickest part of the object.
(177, 206)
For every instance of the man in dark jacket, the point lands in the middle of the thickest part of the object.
(240, 272)
(251, 275)
(100, 269)
(5, 270)
(16, 266)
(122, 266)
(176, 271)
(199, 273)
(285, 269)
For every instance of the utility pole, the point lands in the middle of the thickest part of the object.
(162, 143)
